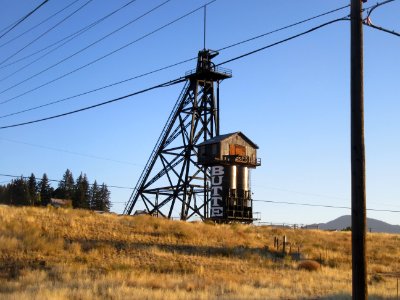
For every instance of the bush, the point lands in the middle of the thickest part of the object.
(309, 265)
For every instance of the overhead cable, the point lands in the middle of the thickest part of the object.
(55, 180)
(99, 88)
(221, 49)
(163, 68)
(323, 205)
(254, 200)
(282, 41)
(283, 28)
(367, 21)
(168, 83)
(47, 31)
(382, 29)
(67, 38)
(181, 79)
(104, 56)
(25, 17)
(72, 152)
(79, 51)
(37, 25)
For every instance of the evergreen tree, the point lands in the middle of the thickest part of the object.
(5, 194)
(45, 190)
(19, 192)
(66, 186)
(33, 189)
(81, 195)
(2, 194)
(105, 203)
(94, 196)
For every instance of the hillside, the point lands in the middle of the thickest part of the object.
(48, 253)
(373, 225)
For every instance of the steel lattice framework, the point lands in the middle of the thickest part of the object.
(172, 182)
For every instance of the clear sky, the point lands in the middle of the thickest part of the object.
(293, 100)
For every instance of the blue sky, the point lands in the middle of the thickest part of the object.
(293, 100)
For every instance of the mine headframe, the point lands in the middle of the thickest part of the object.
(172, 181)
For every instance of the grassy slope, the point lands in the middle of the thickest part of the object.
(48, 253)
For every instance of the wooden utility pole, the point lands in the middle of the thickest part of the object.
(358, 199)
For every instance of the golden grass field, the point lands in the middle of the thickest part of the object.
(48, 253)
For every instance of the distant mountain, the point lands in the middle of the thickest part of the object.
(373, 225)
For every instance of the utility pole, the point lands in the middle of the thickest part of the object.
(358, 198)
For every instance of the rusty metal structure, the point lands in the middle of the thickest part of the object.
(173, 182)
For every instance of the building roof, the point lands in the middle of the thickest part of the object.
(222, 137)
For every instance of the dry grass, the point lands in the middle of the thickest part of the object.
(48, 253)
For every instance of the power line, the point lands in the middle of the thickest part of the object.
(383, 29)
(254, 200)
(367, 20)
(47, 31)
(227, 61)
(284, 27)
(301, 193)
(79, 51)
(322, 205)
(98, 89)
(235, 44)
(25, 17)
(282, 41)
(292, 25)
(72, 152)
(175, 80)
(69, 37)
(55, 180)
(179, 63)
(106, 55)
(5, 28)
(221, 49)
(373, 7)
(66, 40)
(168, 83)
(37, 25)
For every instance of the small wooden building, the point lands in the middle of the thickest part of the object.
(228, 148)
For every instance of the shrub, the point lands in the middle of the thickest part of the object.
(309, 265)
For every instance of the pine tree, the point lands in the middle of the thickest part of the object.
(19, 192)
(33, 189)
(66, 186)
(105, 203)
(81, 195)
(5, 194)
(45, 190)
(95, 196)
(2, 194)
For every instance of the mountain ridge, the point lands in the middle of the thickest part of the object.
(373, 225)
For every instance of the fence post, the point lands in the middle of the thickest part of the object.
(284, 244)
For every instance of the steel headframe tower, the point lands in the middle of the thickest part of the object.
(172, 181)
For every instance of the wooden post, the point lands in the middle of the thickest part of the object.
(397, 288)
(358, 198)
(284, 244)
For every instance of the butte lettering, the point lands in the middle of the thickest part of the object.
(217, 204)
